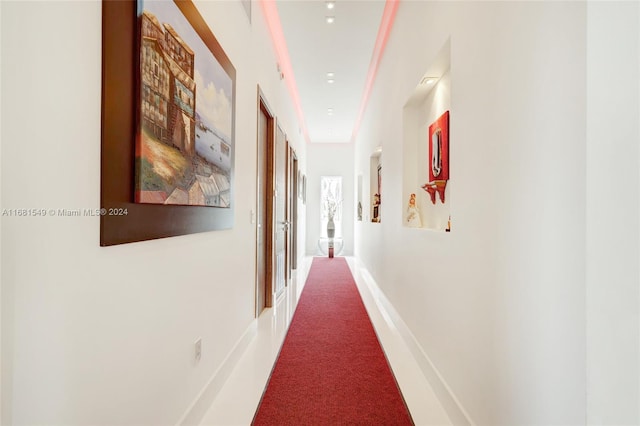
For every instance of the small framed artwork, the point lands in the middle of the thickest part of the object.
(439, 149)
(379, 180)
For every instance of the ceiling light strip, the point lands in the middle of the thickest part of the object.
(270, 11)
(388, 16)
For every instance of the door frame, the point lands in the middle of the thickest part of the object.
(268, 258)
(287, 222)
(293, 205)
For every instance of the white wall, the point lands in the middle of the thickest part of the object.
(613, 111)
(498, 304)
(96, 335)
(330, 160)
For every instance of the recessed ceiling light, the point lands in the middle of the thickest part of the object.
(428, 80)
(330, 75)
(330, 4)
(330, 111)
(331, 19)
(330, 81)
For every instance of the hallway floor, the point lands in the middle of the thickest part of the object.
(236, 403)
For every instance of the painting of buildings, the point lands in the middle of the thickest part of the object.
(184, 145)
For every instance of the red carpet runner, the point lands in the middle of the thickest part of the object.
(331, 369)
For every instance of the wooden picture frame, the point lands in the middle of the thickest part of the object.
(123, 220)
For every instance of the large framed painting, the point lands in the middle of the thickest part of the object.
(184, 143)
(168, 123)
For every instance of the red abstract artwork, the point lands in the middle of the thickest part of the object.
(439, 149)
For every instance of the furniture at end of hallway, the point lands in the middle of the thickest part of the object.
(324, 244)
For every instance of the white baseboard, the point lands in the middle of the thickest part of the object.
(456, 412)
(196, 411)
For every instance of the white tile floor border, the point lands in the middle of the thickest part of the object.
(237, 400)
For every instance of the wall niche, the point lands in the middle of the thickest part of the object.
(359, 208)
(375, 184)
(426, 144)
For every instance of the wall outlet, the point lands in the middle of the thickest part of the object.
(198, 349)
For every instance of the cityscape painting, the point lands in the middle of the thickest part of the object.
(185, 137)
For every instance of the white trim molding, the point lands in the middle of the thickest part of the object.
(199, 407)
(451, 404)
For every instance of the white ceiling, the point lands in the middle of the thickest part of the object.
(343, 47)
